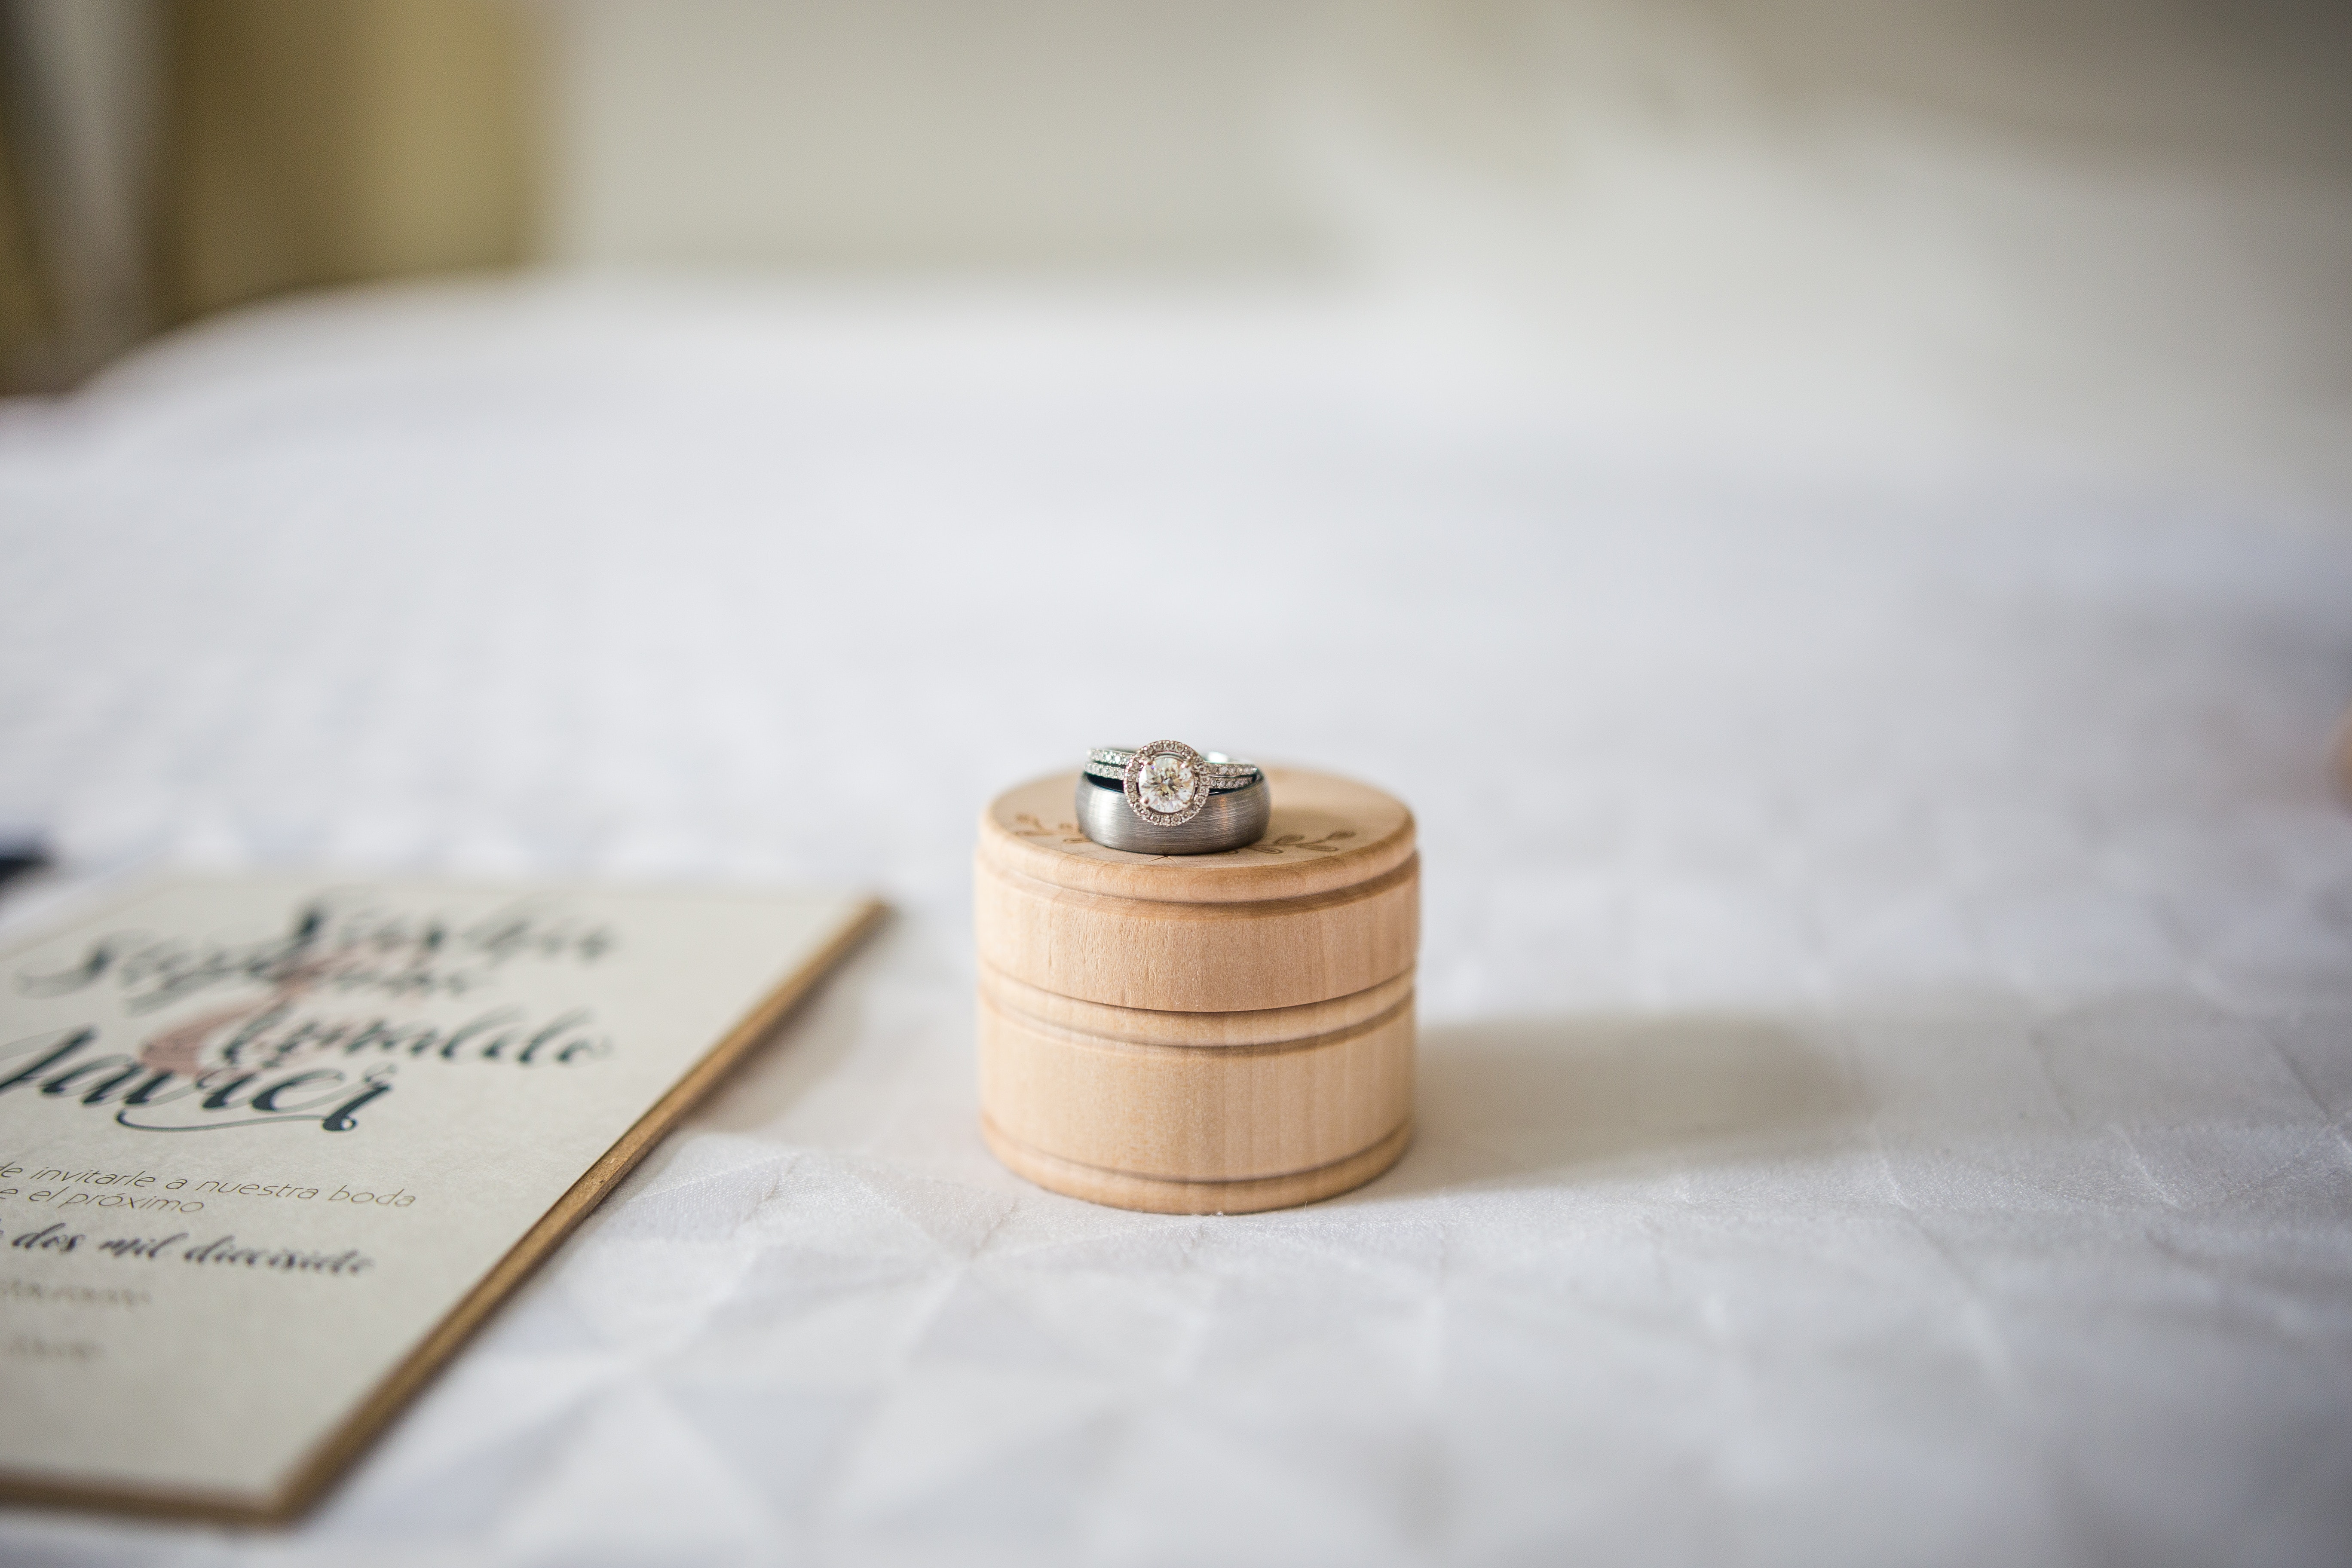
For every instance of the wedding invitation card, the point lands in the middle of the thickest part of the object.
(271, 1148)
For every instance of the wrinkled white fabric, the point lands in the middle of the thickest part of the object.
(1886, 984)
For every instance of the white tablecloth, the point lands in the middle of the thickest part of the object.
(1886, 986)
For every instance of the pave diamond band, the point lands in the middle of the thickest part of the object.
(1223, 771)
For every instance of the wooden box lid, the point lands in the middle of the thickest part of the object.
(1325, 905)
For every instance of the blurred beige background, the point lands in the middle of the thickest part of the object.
(2128, 225)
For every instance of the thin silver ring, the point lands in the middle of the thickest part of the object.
(1224, 772)
(1230, 819)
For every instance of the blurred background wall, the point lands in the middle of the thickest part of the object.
(168, 158)
(2130, 218)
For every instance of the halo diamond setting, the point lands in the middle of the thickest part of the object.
(1166, 782)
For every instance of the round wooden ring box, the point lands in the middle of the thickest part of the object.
(1199, 1033)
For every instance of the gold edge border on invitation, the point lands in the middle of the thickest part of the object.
(314, 1475)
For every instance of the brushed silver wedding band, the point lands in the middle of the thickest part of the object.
(1229, 819)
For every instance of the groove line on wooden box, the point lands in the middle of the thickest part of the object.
(1135, 907)
(1176, 1196)
(1195, 1113)
(1114, 1045)
(1148, 1025)
(1215, 958)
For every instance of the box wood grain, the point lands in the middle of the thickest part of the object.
(1199, 1033)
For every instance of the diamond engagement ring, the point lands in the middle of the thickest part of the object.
(1168, 799)
(1168, 782)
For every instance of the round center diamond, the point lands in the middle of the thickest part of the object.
(1165, 783)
